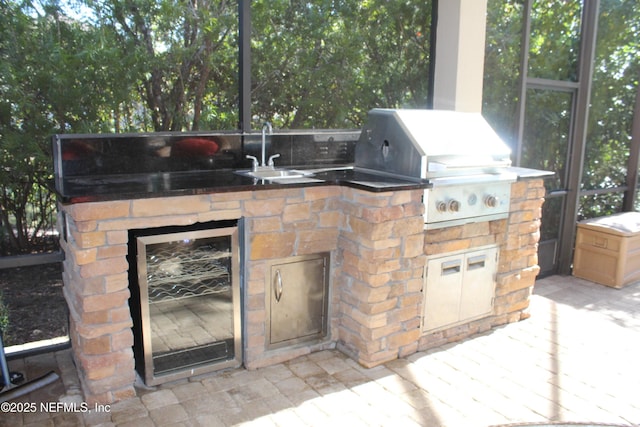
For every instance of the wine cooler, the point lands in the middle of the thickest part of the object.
(185, 300)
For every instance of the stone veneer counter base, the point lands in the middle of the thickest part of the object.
(378, 248)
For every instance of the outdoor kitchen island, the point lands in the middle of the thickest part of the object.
(370, 228)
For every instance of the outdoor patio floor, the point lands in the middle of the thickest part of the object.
(576, 359)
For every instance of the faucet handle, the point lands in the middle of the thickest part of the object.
(254, 162)
(275, 156)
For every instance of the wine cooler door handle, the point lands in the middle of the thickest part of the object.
(277, 286)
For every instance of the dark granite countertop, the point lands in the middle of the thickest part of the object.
(93, 168)
(182, 183)
(166, 184)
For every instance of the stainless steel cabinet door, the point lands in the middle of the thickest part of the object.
(479, 283)
(459, 287)
(443, 291)
(298, 299)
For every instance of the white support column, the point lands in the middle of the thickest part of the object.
(459, 63)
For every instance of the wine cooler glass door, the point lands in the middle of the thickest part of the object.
(190, 302)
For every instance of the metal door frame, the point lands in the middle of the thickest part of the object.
(577, 134)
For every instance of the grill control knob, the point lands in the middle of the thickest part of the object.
(491, 201)
(453, 205)
(441, 207)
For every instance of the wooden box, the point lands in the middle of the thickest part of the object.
(607, 250)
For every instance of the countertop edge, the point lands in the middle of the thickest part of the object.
(527, 173)
(366, 182)
(239, 188)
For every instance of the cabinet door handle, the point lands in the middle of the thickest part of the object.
(450, 267)
(277, 286)
(476, 262)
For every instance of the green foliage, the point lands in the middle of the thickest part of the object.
(54, 79)
(600, 205)
(615, 83)
(555, 39)
(172, 65)
(325, 64)
(501, 71)
(157, 65)
(546, 134)
(553, 54)
(23, 158)
(181, 61)
(4, 317)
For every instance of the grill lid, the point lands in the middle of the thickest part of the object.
(429, 143)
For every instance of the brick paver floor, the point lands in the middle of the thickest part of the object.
(577, 359)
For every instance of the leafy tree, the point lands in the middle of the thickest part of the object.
(55, 78)
(59, 75)
(157, 65)
(154, 65)
(554, 43)
(503, 51)
(324, 64)
(182, 56)
(553, 55)
(24, 113)
(615, 84)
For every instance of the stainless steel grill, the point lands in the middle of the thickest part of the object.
(459, 153)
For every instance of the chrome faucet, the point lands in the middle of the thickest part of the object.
(266, 129)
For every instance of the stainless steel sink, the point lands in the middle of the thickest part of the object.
(271, 174)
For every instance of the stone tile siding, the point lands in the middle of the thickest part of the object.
(378, 250)
(381, 261)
